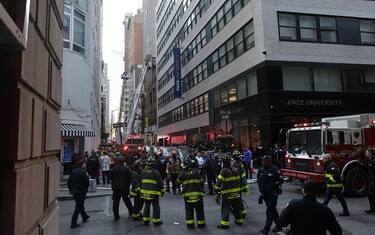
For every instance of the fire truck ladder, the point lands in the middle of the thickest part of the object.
(134, 106)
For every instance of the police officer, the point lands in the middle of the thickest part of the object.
(151, 190)
(334, 184)
(121, 177)
(78, 183)
(135, 191)
(228, 187)
(192, 192)
(370, 154)
(269, 183)
(307, 216)
(210, 169)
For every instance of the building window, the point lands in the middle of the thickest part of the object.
(74, 29)
(328, 30)
(252, 84)
(369, 75)
(297, 79)
(215, 61)
(327, 79)
(232, 93)
(238, 42)
(249, 36)
(287, 26)
(307, 28)
(353, 79)
(367, 28)
(241, 88)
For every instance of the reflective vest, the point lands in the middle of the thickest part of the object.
(228, 184)
(151, 184)
(192, 185)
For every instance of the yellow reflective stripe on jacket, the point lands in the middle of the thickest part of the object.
(224, 222)
(152, 192)
(243, 175)
(222, 178)
(335, 185)
(193, 194)
(192, 181)
(330, 177)
(148, 181)
(232, 190)
(132, 194)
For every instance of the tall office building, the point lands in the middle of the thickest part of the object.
(250, 69)
(31, 56)
(104, 103)
(81, 113)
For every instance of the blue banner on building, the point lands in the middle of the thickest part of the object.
(177, 72)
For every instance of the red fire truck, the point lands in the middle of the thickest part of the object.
(344, 138)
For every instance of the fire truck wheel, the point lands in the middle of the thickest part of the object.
(356, 182)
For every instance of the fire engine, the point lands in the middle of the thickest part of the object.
(344, 138)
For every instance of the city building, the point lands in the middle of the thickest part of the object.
(80, 112)
(133, 68)
(251, 69)
(149, 105)
(31, 54)
(104, 104)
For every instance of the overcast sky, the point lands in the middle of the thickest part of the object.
(113, 43)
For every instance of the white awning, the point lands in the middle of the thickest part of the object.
(75, 130)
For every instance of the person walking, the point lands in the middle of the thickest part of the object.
(269, 183)
(210, 169)
(78, 184)
(135, 191)
(173, 169)
(93, 167)
(151, 191)
(121, 177)
(192, 192)
(335, 185)
(370, 154)
(278, 156)
(105, 163)
(247, 162)
(307, 216)
(228, 187)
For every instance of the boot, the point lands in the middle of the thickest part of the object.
(74, 225)
(221, 226)
(264, 231)
(158, 223)
(190, 226)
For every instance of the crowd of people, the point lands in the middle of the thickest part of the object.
(147, 177)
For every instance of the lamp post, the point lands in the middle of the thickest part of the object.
(225, 115)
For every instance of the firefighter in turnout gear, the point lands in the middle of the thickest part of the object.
(192, 191)
(269, 183)
(228, 187)
(135, 191)
(335, 185)
(239, 168)
(151, 190)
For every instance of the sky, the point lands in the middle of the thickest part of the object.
(113, 43)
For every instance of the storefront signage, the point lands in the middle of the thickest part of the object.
(177, 72)
(311, 102)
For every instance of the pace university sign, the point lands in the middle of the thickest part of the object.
(177, 72)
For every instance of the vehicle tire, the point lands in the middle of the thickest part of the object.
(356, 182)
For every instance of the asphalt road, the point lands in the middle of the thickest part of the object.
(173, 216)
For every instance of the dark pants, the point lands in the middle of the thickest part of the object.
(230, 205)
(371, 195)
(271, 214)
(246, 166)
(79, 208)
(105, 177)
(167, 184)
(138, 204)
(174, 183)
(211, 181)
(199, 210)
(117, 195)
(371, 200)
(155, 210)
(328, 195)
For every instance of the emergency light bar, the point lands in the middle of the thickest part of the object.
(310, 124)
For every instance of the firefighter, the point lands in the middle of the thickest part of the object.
(192, 192)
(228, 187)
(151, 190)
(269, 183)
(370, 154)
(135, 191)
(239, 168)
(335, 185)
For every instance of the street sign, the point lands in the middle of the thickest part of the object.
(119, 124)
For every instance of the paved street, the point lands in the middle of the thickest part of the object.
(172, 213)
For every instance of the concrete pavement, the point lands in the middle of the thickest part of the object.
(173, 215)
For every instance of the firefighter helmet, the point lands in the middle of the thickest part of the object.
(237, 156)
(187, 163)
(226, 157)
(150, 159)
